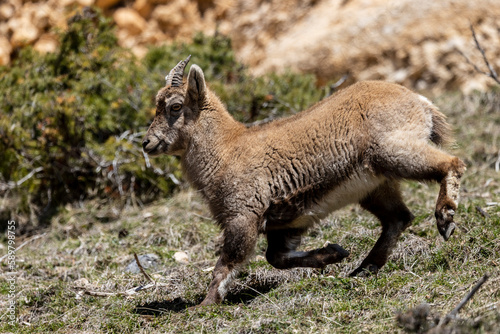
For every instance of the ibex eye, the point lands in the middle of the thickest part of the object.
(176, 107)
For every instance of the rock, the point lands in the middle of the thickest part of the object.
(47, 43)
(105, 4)
(86, 3)
(38, 13)
(130, 20)
(181, 257)
(413, 43)
(6, 11)
(140, 51)
(5, 50)
(24, 31)
(147, 261)
(168, 16)
(178, 19)
(153, 34)
(125, 39)
(143, 7)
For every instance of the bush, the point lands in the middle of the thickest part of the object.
(72, 122)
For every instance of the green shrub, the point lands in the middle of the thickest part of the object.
(71, 122)
(74, 118)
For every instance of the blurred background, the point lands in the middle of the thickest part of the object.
(409, 42)
(78, 78)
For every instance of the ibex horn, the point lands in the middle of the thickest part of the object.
(174, 78)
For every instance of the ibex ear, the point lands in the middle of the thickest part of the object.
(196, 84)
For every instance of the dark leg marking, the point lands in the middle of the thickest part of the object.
(386, 204)
(281, 251)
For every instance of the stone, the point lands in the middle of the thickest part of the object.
(5, 50)
(150, 261)
(130, 20)
(6, 11)
(168, 16)
(178, 19)
(24, 31)
(153, 34)
(181, 257)
(86, 3)
(139, 51)
(143, 7)
(40, 15)
(47, 43)
(105, 4)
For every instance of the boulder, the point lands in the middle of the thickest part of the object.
(105, 4)
(24, 32)
(130, 20)
(143, 7)
(6, 11)
(414, 43)
(47, 43)
(5, 50)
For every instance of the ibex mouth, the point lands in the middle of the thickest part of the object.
(155, 150)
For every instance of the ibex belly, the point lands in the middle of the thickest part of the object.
(359, 185)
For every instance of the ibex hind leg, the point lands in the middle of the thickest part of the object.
(419, 160)
(281, 251)
(386, 204)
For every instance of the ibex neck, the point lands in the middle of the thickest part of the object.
(210, 147)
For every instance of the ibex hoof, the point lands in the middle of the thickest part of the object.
(365, 271)
(445, 224)
(447, 231)
(337, 249)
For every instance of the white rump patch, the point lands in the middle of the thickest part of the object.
(424, 99)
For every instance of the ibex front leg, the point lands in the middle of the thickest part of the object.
(240, 237)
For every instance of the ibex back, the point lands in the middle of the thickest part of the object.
(280, 178)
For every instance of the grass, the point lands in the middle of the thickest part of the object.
(89, 245)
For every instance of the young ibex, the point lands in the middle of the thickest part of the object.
(281, 177)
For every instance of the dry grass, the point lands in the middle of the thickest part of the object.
(86, 250)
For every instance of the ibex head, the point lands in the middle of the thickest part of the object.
(178, 107)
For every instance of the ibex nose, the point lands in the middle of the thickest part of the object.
(145, 143)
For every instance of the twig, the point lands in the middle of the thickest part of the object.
(14, 184)
(492, 73)
(482, 212)
(142, 269)
(24, 244)
(445, 320)
(497, 163)
(285, 104)
(100, 293)
(261, 294)
(128, 292)
(115, 172)
(333, 87)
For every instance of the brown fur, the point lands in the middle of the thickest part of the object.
(280, 178)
